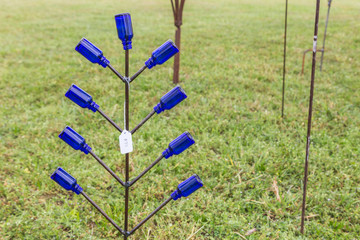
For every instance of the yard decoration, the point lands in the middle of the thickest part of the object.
(167, 102)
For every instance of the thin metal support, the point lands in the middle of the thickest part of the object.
(284, 65)
(143, 121)
(127, 89)
(150, 215)
(107, 168)
(103, 213)
(117, 73)
(326, 25)
(138, 73)
(146, 170)
(109, 120)
(310, 115)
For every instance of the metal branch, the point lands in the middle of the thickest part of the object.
(143, 121)
(138, 73)
(150, 215)
(310, 115)
(104, 214)
(146, 170)
(107, 168)
(117, 73)
(109, 120)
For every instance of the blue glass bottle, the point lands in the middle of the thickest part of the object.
(187, 187)
(65, 180)
(75, 140)
(180, 144)
(91, 53)
(81, 98)
(162, 54)
(170, 99)
(124, 29)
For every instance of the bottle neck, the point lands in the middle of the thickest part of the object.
(86, 148)
(167, 153)
(93, 107)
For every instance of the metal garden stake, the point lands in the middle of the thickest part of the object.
(284, 66)
(310, 115)
(167, 102)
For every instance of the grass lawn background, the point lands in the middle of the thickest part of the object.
(231, 69)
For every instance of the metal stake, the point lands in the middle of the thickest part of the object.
(284, 66)
(127, 88)
(326, 25)
(310, 114)
(104, 214)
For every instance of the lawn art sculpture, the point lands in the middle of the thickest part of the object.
(167, 102)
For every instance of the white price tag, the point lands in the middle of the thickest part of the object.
(125, 140)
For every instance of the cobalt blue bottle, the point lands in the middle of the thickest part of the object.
(162, 54)
(81, 98)
(75, 140)
(91, 53)
(187, 187)
(180, 144)
(170, 99)
(124, 29)
(65, 180)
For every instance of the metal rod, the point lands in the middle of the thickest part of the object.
(310, 115)
(138, 73)
(109, 120)
(146, 170)
(326, 25)
(107, 168)
(103, 213)
(127, 88)
(116, 73)
(284, 66)
(150, 215)
(143, 121)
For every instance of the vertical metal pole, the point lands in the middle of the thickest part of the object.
(284, 66)
(127, 86)
(326, 25)
(310, 114)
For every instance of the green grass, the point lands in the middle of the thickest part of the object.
(232, 72)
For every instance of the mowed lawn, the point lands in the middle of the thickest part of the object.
(231, 70)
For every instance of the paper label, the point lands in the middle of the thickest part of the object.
(315, 43)
(125, 140)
